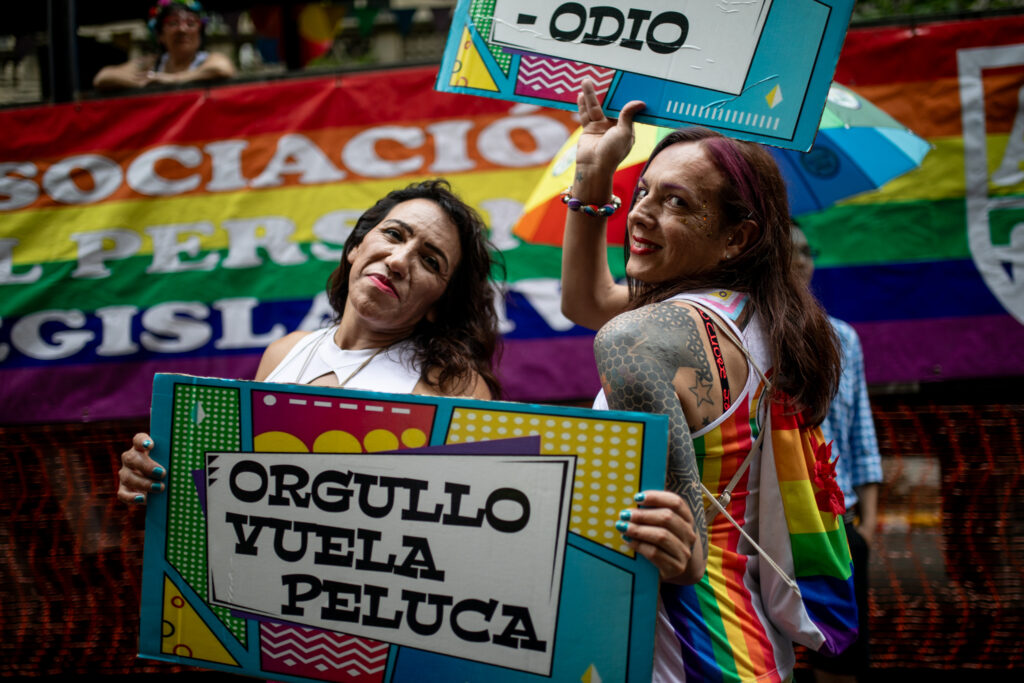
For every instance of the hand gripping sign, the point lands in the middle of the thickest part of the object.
(757, 69)
(314, 533)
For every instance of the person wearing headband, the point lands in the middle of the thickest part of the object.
(178, 28)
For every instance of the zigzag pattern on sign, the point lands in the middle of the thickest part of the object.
(290, 648)
(560, 75)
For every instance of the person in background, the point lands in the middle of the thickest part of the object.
(178, 27)
(414, 313)
(858, 471)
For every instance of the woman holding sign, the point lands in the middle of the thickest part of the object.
(414, 313)
(710, 303)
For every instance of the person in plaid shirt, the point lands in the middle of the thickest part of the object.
(858, 471)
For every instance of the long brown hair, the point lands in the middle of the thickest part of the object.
(804, 347)
(463, 337)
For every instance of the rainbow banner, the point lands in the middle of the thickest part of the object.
(182, 232)
(930, 269)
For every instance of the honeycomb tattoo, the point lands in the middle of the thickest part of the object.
(638, 354)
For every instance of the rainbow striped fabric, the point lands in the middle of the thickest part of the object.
(798, 485)
(927, 269)
(184, 231)
(204, 223)
(732, 626)
(720, 622)
(737, 624)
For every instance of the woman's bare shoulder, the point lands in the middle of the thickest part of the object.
(642, 322)
(276, 352)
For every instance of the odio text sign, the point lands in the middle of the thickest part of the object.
(689, 41)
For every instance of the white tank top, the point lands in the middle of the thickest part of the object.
(197, 61)
(393, 370)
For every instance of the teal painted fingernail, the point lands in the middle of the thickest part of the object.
(140, 498)
(626, 538)
(158, 472)
(625, 514)
(621, 526)
(639, 497)
(157, 486)
(148, 443)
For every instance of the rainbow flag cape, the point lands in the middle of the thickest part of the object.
(801, 529)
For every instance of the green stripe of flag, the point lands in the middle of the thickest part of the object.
(714, 625)
(129, 284)
(810, 559)
(895, 232)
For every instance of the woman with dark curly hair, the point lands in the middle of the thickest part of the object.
(413, 285)
(414, 313)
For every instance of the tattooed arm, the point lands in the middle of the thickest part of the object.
(638, 355)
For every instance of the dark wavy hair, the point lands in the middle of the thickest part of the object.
(463, 338)
(803, 344)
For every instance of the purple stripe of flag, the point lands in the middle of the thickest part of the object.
(553, 369)
(942, 348)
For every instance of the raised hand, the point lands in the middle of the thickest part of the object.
(604, 142)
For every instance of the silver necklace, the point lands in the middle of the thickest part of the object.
(316, 347)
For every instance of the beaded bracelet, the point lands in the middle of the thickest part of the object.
(590, 209)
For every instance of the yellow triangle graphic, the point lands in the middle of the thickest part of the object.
(469, 70)
(185, 634)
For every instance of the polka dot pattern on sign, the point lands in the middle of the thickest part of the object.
(607, 465)
(481, 12)
(205, 419)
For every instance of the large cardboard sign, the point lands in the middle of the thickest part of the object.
(311, 533)
(756, 70)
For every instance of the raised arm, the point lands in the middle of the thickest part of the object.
(638, 354)
(590, 296)
(131, 74)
